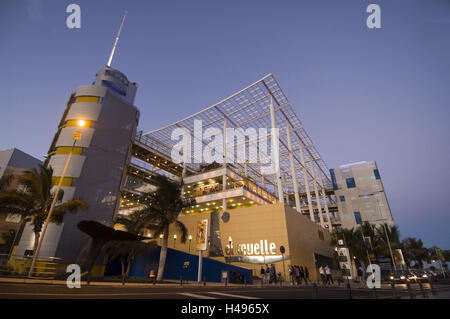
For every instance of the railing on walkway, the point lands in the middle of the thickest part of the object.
(19, 266)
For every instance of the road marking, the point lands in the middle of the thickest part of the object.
(230, 295)
(195, 295)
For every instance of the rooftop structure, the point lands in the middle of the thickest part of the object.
(302, 172)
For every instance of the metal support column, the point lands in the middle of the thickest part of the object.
(316, 193)
(293, 173)
(305, 178)
(224, 176)
(324, 196)
(276, 152)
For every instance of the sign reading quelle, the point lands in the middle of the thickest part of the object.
(255, 249)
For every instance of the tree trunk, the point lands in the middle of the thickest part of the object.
(162, 257)
(130, 261)
(36, 242)
(122, 263)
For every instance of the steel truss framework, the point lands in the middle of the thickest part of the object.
(250, 108)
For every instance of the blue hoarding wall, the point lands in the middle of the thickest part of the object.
(180, 264)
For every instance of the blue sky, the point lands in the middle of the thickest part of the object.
(362, 94)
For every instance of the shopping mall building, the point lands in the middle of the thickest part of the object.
(252, 208)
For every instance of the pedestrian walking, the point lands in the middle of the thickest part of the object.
(262, 272)
(273, 274)
(297, 275)
(328, 274)
(322, 274)
(363, 273)
(291, 274)
(306, 275)
(360, 274)
(302, 274)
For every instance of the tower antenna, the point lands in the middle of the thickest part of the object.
(117, 40)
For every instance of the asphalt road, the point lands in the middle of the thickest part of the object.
(51, 291)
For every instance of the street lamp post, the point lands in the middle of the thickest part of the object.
(190, 239)
(76, 137)
(230, 243)
(384, 228)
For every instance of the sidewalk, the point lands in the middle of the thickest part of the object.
(167, 283)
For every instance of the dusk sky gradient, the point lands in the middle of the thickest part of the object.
(361, 94)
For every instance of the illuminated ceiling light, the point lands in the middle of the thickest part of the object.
(81, 123)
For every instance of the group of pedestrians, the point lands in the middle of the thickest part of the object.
(298, 274)
(325, 275)
(269, 274)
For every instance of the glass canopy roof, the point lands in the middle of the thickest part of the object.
(250, 108)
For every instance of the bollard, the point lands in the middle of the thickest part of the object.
(262, 281)
(226, 281)
(123, 280)
(204, 281)
(89, 278)
(315, 291)
(181, 280)
(245, 281)
(424, 294)
(394, 291)
(410, 292)
(349, 291)
(433, 292)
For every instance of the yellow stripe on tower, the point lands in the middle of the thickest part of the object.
(89, 99)
(67, 181)
(66, 150)
(71, 123)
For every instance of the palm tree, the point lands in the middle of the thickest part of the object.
(35, 199)
(128, 250)
(163, 208)
(385, 232)
(414, 250)
(353, 241)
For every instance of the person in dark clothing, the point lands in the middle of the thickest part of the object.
(306, 275)
(273, 274)
(262, 272)
(302, 274)
(297, 275)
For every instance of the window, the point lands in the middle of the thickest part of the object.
(376, 173)
(358, 218)
(350, 182)
(342, 198)
(333, 179)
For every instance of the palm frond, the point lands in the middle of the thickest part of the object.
(67, 207)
